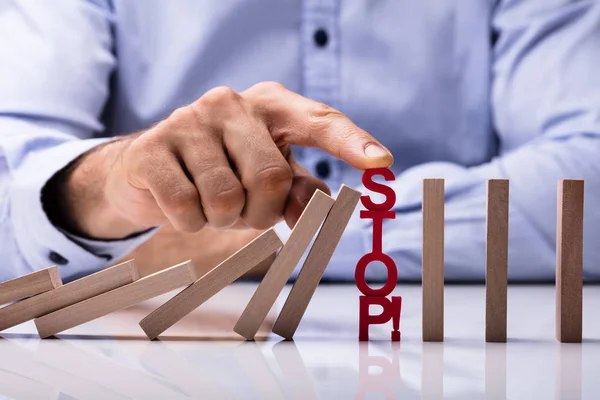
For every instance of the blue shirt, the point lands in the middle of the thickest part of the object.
(462, 90)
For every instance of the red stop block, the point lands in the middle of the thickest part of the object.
(391, 309)
(388, 192)
(361, 267)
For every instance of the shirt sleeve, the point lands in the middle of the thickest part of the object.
(55, 65)
(546, 112)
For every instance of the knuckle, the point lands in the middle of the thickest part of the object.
(321, 116)
(219, 97)
(269, 86)
(181, 117)
(182, 200)
(266, 98)
(145, 144)
(322, 110)
(153, 143)
(224, 193)
(225, 203)
(347, 135)
(272, 179)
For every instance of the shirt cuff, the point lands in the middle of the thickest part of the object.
(41, 243)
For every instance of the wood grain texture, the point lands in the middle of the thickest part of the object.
(314, 266)
(210, 284)
(29, 285)
(433, 260)
(69, 294)
(266, 294)
(569, 261)
(125, 296)
(496, 260)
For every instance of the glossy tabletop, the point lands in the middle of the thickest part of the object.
(201, 357)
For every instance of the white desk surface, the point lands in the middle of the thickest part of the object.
(201, 357)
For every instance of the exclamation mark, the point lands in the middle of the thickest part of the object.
(397, 308)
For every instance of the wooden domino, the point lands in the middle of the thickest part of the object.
(275, 279)
(29, 285)
(496, 256)
(569, 261)
(433, 260)
(66, 295)
(210, 284)
(316, 262)
(125, 296)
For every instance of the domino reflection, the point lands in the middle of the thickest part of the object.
(107, 364)
(495, 371)
(568, 366)
(28, 377)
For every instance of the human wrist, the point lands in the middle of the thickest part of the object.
(75, 198)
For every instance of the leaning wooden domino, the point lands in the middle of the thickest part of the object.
(69, 294)
(316, 262)
(125, 296)
(433, 260)
(569, 261)
(29, 285)
(210, 284)
(496, 258)
(283, 266)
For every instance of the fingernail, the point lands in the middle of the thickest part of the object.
(376, 151)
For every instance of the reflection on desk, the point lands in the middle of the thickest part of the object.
(110, 359)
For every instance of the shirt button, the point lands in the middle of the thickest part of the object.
(323, 169)
(57, 258)
(321, 37)
(107, 257)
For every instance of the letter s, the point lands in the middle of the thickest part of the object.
(388, 192)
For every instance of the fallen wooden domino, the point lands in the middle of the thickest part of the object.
(68, 294)
(433, 260)
(496, 260)
(210, 284)
(280, 271)
(29, 285)
(569, 261)
(319, 256)
(125, 296)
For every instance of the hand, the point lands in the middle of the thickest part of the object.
(223, 161)
(206, 248)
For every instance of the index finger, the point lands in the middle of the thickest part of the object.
(294, 119)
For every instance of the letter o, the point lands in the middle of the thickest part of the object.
(361, 268)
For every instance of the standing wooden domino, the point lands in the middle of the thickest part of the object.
(210, 284)
(29, 285)
(496, 257)
(273, 282)
(316, 262)
(433, 260)
(66, 295)
(125, 296)
(569, 260)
